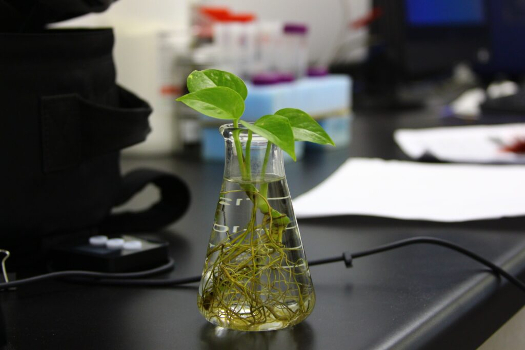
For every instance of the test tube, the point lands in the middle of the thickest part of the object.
(268, 44)
(295, 49)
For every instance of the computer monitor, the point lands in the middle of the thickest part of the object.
(422, 38)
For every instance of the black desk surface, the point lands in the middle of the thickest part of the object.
(414, 297)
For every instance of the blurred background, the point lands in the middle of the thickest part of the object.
(463, 58)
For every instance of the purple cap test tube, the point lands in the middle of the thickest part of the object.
(317, 72)
(266, 79)
(294, 55)
(295, 29)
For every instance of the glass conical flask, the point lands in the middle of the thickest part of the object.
(255, 276)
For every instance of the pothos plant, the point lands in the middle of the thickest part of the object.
(238, 271)
(221, 95)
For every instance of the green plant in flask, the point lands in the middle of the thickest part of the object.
(255, 275)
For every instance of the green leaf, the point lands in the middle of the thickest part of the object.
(197, 80)
(304, 127)
(216, 102)
(209, 78)
(277, 130)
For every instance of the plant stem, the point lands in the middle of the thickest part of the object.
(248, 153)
(238, 148)
(264, 186)
(266, 157)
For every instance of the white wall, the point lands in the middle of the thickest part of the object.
(173, 14)
(169, 13)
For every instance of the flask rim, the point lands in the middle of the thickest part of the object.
(230, 126)
(226, 130)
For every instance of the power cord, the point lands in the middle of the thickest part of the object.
(90, 274)
(347, 257)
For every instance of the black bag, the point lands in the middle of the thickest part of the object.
(63, 121)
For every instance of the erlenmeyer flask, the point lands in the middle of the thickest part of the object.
(255, 276)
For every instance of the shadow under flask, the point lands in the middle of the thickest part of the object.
(256, 276)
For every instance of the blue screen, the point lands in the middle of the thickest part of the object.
(445, 12)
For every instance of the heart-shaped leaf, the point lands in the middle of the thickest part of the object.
(209, 78)
(304, 127)
(277, 130)
(216, 102)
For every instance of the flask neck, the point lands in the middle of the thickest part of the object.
(260, 160)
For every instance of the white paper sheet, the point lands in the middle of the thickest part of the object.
(466, 144)
(418, 191)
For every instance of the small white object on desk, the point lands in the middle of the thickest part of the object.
(115, 243)
(133, 245)
(417, 191)
(464, 144)
(98, 240)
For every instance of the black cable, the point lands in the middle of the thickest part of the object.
(347, 257)
(446, 244)
(90, 274)
(143, 282)
(122, 278)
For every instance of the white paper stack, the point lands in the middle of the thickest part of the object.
(465, 144)
(417, 191)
